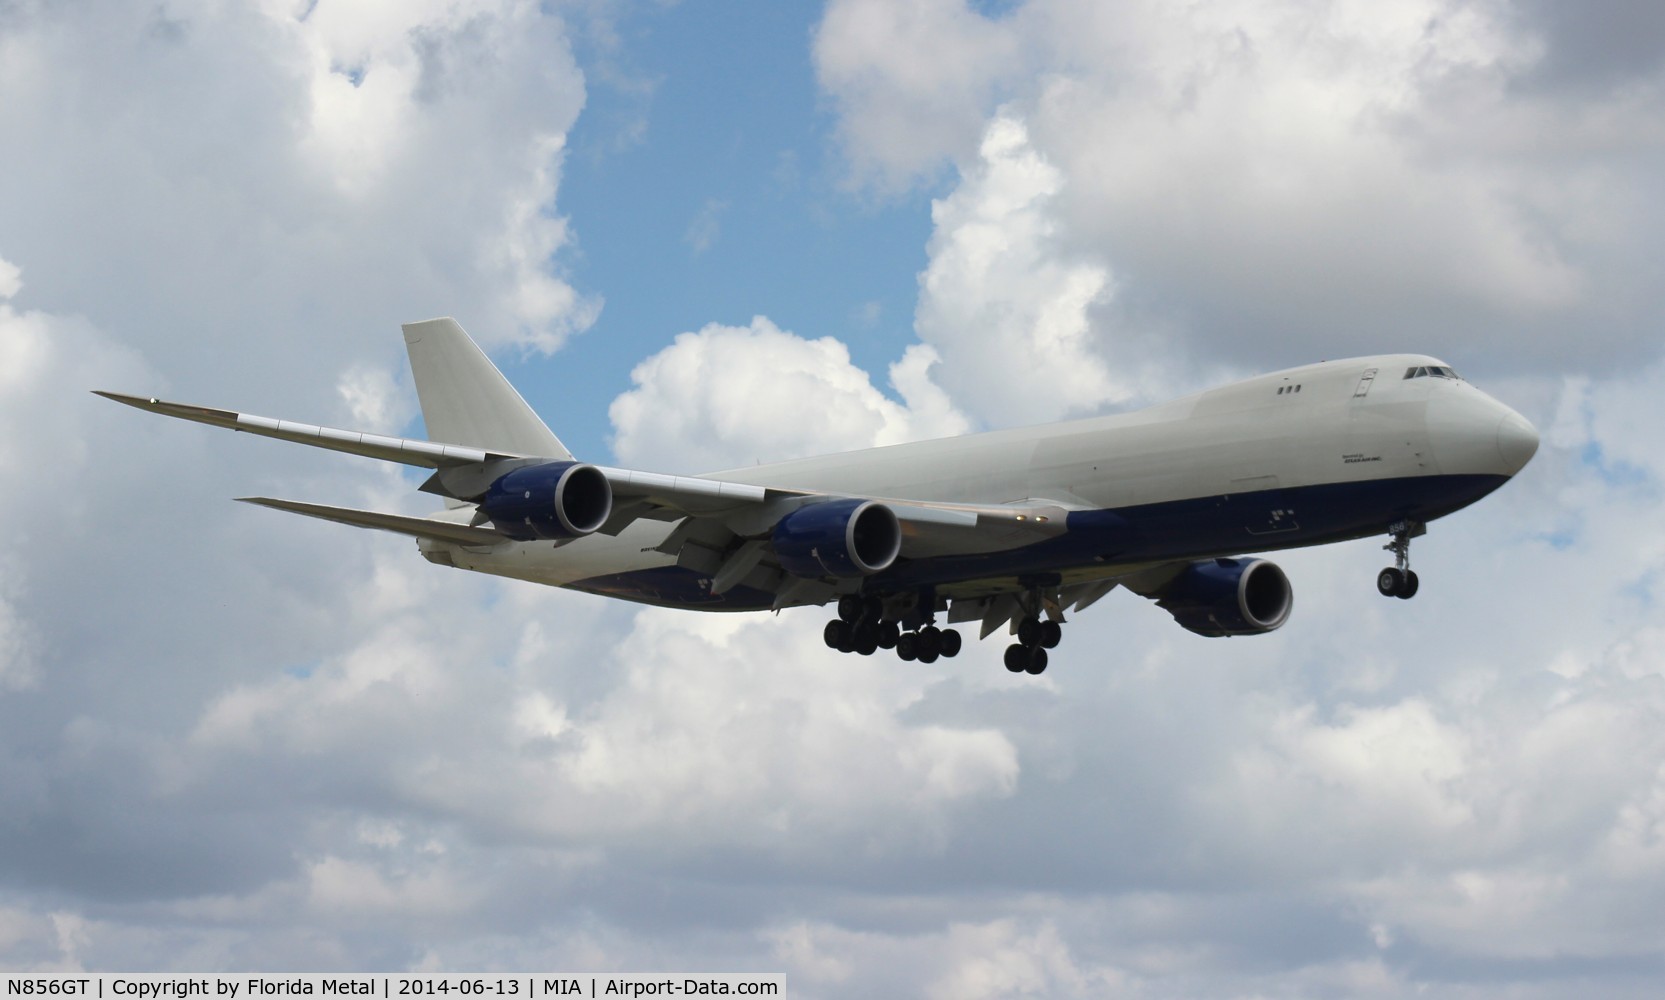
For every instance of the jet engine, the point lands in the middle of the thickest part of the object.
(553, 501)
(1217, 597)
(841, 538)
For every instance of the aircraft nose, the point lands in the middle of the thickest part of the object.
(1517, 441)
(1473, 434)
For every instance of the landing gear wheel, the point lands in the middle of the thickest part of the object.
(834, 633)
(1400, 583)
(950, 643)
(850, 607)
(929, 644)
(889, 632)
(1017, 658)
(1029, 632)
(907, 646)
(1051, 634)
(865, 638)
(1037, 661)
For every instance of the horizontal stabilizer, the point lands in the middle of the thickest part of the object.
(421, 527)
(428, 454)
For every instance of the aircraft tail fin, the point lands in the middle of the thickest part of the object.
(466, 400)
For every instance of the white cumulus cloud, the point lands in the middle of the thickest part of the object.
(728, 396)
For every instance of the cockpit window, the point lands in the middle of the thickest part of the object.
(1431, 371)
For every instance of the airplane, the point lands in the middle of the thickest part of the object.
(1008, 528)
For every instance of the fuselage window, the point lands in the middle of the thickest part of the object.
(1432, 371)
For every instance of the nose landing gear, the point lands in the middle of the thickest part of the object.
(1399, 580)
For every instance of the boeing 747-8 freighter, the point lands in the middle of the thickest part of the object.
(1010, 529)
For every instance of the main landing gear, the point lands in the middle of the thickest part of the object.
(862, 628)
(868, 623)
(1035, 637)
(1399, 580)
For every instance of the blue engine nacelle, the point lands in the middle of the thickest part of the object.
(1217, 597)
(841, 538)
(557, 500)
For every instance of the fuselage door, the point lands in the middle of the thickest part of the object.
(1262, 506)
(1365, 381)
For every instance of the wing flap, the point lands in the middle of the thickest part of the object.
(688, 494)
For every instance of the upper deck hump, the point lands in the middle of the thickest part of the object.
(980, 463)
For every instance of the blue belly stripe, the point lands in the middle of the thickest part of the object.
(1199, 528)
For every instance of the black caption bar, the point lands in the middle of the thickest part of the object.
(396, 986)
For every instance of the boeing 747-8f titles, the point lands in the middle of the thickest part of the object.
(1010, 528)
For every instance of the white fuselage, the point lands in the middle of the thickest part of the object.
(1317, 436)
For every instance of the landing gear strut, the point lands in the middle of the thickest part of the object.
(1399, 580)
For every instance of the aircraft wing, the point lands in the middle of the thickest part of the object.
(462, 466)
(410, 452)
(464, 471)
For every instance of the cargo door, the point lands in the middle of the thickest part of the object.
(1261, 506)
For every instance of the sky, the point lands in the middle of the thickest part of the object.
(698, 236)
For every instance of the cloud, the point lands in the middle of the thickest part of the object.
(43, 359)
(999, 958)
(231, 739)
(271, 152)
(547, 308)
(1326, 181)
(728, 396)
(1011, 312)
(912, 82)
(1622, 41)
(532, 776)
(11, 279)
(697, 732)
(707, 225)
(335, 884)
(18, 648)
(236, 200)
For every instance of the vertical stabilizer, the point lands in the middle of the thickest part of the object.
(466, 400)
